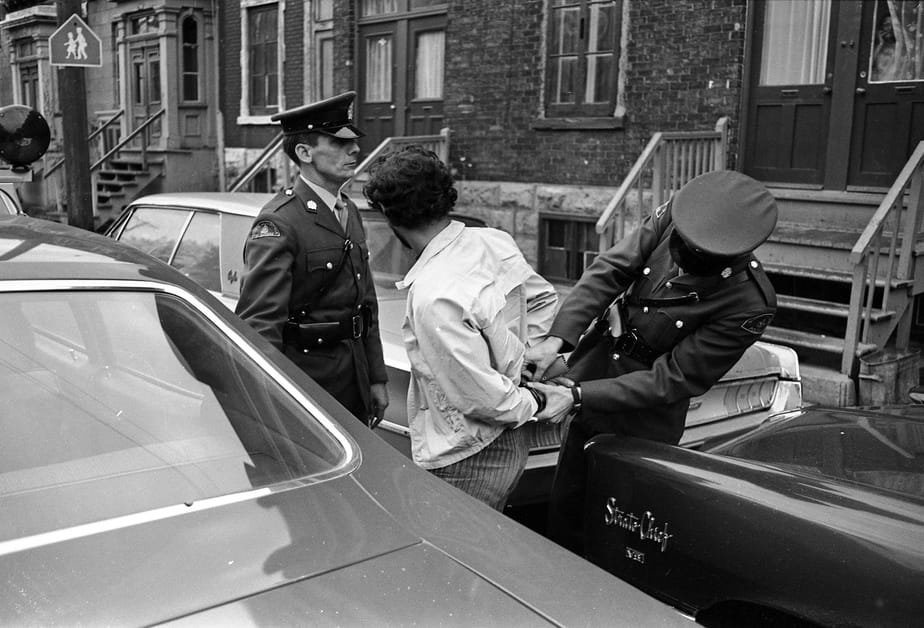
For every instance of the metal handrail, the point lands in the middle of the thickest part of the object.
(92, 135)
(890, 237)
(671, 158)
(269, 151)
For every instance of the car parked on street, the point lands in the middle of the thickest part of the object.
(202, 234)
(161, 462)
(816, 518)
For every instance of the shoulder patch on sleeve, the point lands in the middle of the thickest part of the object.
(757, 324)
(264, 229)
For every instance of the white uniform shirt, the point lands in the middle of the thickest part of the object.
(473, 306)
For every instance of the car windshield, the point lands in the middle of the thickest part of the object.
(118, 402)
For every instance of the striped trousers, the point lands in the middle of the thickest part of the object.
(491, 474)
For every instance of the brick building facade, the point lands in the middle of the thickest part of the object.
(680, 67)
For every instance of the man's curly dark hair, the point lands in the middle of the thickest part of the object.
(412, 187)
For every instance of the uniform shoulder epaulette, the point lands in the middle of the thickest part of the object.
(280, 200)
(662, 210)
(756, 270)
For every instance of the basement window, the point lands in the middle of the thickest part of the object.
(567, 245)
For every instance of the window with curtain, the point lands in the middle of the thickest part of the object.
(795, 42)
(189, 33)
(583, 54)
(428, 66)
(898, 41)
(379, 53)
(262, 55)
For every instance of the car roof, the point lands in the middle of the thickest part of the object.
(33, 249)
(241, 203)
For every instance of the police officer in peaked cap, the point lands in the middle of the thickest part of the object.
(308, 287)
(689, 298)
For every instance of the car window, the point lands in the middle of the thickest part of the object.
(197, 255)
(388, 257)
(121, 402)
(8, 201)
(884, 452)
(155, 231)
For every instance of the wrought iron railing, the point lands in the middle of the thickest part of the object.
(884, 262)
(670, 159)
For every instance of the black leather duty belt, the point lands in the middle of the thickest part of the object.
(306, 336)
(631, 345)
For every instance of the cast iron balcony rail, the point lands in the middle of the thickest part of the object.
(884, 264)
(670, 159)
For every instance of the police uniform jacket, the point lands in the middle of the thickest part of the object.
(297, 248)
(695, 327)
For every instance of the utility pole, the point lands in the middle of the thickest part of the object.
(72, 99)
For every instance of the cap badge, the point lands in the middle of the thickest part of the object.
(726, 272)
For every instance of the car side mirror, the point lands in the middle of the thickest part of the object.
(916, 395)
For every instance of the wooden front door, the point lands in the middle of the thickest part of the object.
(835, 99)
(790, 92)
(145, 94)
(888, 118)
(401, 65)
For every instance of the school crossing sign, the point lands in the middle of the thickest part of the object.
(75, 44)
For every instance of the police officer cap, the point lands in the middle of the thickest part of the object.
(724, 213)
(330, 116)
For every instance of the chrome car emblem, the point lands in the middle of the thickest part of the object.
(647, 527)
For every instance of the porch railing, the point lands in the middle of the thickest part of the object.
(142, 128)
(96, 133)
(670, 159)
(884, 263)
(438, 143)
(250, 173)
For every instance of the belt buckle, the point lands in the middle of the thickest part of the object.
(357, 326)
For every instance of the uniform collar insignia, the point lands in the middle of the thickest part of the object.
(312, 205)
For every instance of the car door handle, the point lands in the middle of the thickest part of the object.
(861, 91)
